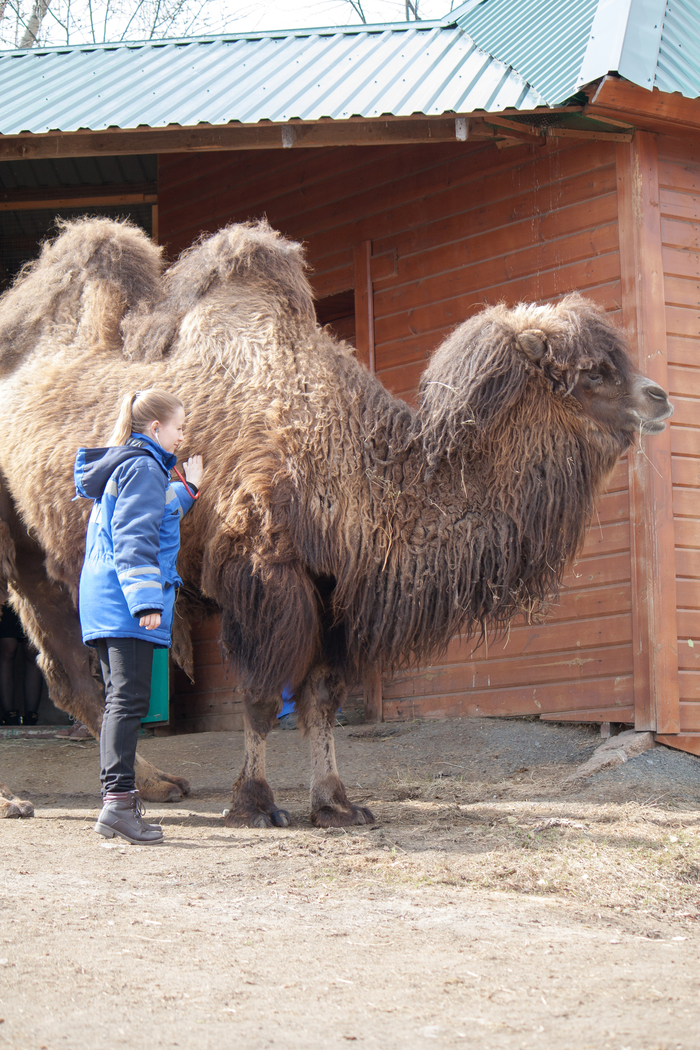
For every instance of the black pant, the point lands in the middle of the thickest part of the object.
(126, 669)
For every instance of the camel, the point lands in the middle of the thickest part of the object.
(338, 528)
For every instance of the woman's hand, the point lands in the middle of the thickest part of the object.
(194, 470)
(151, 621)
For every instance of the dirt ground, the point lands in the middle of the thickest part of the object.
(490, 906)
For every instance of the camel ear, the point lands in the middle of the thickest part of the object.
(533, 343)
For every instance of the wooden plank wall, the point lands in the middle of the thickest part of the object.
(453, 227)
(679, 195)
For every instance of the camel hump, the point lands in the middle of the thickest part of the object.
(244, 261)
(84, 281)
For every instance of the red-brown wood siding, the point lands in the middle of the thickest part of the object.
(452, 227)
(679, 198)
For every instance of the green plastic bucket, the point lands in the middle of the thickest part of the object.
(159, 707)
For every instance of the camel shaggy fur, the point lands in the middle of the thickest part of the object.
(337, 528)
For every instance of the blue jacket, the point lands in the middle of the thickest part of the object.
(133, 539)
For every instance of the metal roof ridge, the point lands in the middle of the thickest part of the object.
(348, 30)
(625, 38)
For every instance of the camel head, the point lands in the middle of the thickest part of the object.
(562, 366)
(582, 355)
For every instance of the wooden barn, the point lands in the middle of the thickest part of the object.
(515, 150)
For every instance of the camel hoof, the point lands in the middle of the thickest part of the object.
(161, 791)
(329, 817)
(156, 786)
(11, 806)
(276, 818)
(180, 783)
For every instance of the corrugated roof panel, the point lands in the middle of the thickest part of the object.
(678, 67)
(78, 171)
(424, 68)
(544, 40)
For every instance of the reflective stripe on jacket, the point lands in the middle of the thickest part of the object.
(133, 539)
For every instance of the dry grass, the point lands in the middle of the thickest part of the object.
(628, 856)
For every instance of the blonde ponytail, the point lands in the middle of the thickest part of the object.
(140, 408)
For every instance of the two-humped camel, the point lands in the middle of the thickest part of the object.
(338, 528)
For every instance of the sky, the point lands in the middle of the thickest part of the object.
(82, 21)
(295, 14)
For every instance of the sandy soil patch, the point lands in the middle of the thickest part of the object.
(490, 906)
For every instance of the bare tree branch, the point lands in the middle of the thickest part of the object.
(33, 27)
(26, 23)
(128, 24)
(356, 5)
(154, 20)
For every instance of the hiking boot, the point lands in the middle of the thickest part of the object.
(122, 814)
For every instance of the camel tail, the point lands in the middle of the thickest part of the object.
(79, 288)
(247, 259)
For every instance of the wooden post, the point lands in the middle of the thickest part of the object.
(374, 704)
(652, 539)
(364, 305)
(364, 341)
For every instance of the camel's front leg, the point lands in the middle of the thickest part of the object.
(318, 705)
(252, 803)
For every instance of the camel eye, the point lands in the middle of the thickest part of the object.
(595, 377)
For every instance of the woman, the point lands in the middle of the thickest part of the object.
(129, 580)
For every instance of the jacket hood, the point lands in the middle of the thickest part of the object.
(95, 466)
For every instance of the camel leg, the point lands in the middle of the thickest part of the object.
(252, 802)
(50, 619)
(320, 699)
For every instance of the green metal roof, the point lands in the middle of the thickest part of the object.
(678, 67)
(559, 46)
(545, 40)
(486, 56)
(413, 68)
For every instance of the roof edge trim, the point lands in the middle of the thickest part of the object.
(266, 34)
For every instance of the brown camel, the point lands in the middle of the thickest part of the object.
(338, 527)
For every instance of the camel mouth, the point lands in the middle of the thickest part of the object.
(654, 426)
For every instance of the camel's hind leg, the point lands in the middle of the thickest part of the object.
(50, 619)
(252, 803)
(323, 694)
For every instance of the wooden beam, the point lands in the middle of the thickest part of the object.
(525, 131)
(80, 191)
(583, 133)
(79, 202)
(116, 142)
(652, 538)
(650, 110)
(684, 742)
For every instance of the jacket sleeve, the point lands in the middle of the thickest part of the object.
(183, 497)
(136, 522)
